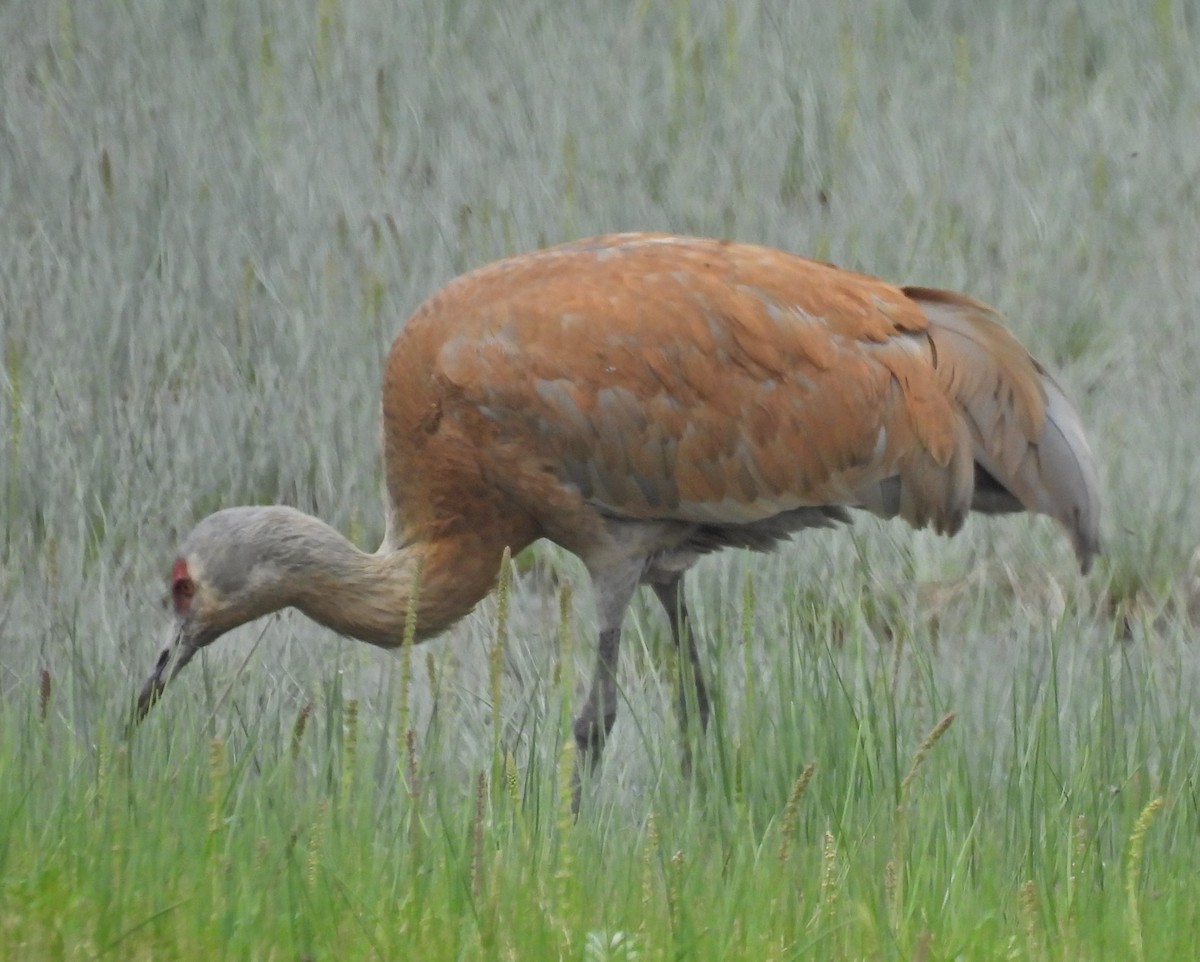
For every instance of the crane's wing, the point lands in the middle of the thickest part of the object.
(665, 377)
(1024, 430)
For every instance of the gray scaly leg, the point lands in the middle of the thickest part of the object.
(691, 678)
(614, 588)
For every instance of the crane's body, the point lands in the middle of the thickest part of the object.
(642, 399)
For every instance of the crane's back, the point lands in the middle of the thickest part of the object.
(697, 381)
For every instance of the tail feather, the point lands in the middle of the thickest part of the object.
(990, 496)
(1067, 472)
(933, 493)
(1025, 433)
(933, 479)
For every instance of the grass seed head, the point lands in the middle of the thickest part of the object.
(510, 778)
(1133, 872)
(216, 783)
(481, 790)
(1028, 902)
(925, 748)
(793, 806)
(298, 728)
(44, 695)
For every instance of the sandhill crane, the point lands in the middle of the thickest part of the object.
(641, 400)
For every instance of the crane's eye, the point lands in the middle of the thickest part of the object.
(182, 590)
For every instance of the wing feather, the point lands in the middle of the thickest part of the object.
(1024, 431)
(675, 378)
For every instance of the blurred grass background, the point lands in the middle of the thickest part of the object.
(213, 219)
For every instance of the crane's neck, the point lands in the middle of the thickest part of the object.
(369, 596)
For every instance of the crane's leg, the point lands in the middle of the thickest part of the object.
(691, 678)
(614, 589)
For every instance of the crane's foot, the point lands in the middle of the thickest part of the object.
(590, 735)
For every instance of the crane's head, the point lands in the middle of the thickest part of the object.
(226, 574)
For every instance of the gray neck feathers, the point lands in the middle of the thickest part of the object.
(261, 559)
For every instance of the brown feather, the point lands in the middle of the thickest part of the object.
(1024, 431)
(660, 377)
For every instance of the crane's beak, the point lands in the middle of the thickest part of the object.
(178, 652)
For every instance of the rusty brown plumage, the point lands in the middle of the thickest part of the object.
(642, 399)
(656, 377)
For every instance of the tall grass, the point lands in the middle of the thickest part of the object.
(1053, 818)
(214, 219)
